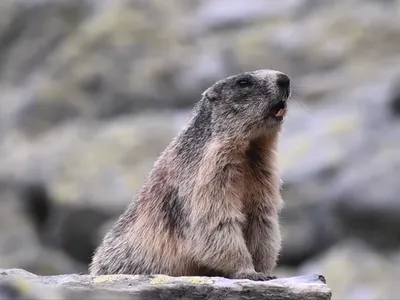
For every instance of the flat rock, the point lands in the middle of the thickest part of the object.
(20, 284)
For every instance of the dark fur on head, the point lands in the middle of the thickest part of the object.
(210, 204)
(241, 104)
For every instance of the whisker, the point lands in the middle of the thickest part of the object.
(306, 109)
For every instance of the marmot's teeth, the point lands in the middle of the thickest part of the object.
(281, 113)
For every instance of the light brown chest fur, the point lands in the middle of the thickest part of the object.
(243, 177)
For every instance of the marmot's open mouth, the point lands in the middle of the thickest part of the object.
(279, 110)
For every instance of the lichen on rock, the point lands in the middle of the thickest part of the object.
(19, 284)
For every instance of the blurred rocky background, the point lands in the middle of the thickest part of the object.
(93, 90)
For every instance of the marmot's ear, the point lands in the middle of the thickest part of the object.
(210, 94)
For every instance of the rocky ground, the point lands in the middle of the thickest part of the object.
(92, 92)
(16, 284)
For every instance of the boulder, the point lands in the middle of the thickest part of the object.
(355, 270)
(366, 198)
(19, 284)
(92, 164)
(103, 59)
(78, 177)
(339, 166)
(394, 103)
(20, 244)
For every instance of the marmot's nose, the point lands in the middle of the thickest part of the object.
(283, 81)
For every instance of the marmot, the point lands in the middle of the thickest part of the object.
(210, 205)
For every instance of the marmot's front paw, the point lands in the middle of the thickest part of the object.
(256, 276)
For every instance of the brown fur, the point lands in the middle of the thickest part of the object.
(211, 203)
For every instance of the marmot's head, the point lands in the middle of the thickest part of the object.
(250, 103)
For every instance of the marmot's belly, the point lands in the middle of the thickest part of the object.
(160, 253)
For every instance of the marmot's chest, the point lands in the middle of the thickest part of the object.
(259, 186)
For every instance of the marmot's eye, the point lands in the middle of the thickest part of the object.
(242, 83)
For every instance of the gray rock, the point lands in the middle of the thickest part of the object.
(356, 271)
(339, 167)
(394, 103)
(75, 230)
(223, 14)
(366, 198)
(103, 59)
(14, 283)
(20, 245)
(311, 158)
(98, 164)
(307, 230)
(31, 30)
(85, 176)
(51, 261)
(18, 242)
